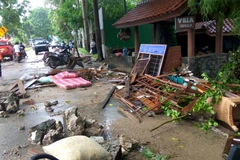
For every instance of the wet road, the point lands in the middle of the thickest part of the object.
(10, 135)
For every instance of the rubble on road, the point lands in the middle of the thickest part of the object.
(20, 113)
(3, 114)
(74, 122)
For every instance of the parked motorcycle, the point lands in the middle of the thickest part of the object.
(46, 57)
(63, 58)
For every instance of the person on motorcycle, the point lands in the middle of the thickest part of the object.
(1, 58)
(17, 50)
(62, 45)
(22, 49)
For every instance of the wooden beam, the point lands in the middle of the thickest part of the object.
(136, 40)
(219, 39)
(154, 33)
(191, 42)
(103, 104)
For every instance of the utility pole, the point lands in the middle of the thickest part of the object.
(85, 23)
(125, 6)
(97, 30)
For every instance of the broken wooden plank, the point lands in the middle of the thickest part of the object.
(133, 78)
(189, 107)
(28, 84)
(165, 75)
(42, 86)
(20, 87)
(116, 80)
(166, 82)
(13, 85)
(103, 104)
(127, 87)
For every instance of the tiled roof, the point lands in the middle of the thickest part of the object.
(210, 26)
(151, 11)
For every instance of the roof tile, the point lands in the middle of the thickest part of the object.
(210, 26)
(149, 10)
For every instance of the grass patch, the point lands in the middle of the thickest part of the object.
(83, 51)
(28, 48)
(95, 56)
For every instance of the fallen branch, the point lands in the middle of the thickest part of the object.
(174, 119)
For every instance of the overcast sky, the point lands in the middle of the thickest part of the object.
(36, 3)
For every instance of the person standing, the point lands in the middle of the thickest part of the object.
(93, 47)
(16, 48)
(70, 45)
(62, 45)
(1, 58)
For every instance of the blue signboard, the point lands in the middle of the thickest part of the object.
(158, 49)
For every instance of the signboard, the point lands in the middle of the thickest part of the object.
(3, 30)
(182, 23)
(153, 48)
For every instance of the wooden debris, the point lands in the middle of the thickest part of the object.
(42, 86)
(133, 78)
(28, 84)
(20, 87)
(103, 104)
(127, 86)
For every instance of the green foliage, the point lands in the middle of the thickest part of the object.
(228, 74)
(218, 10)
(147, 153)
(38, 23)
(11, 13)
(166, 108)
(168, 88)
(115, 9)
(66, 17)
(207, 124)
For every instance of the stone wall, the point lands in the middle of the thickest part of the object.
(122, 61)
(210, 64)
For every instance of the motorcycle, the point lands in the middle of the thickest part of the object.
(59, 59)
(20, 55)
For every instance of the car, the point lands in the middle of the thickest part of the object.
(54, 44)
(6, 48)
(40, 45)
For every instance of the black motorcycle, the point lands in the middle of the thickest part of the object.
(64, 57)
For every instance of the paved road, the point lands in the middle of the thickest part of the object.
(11, 136)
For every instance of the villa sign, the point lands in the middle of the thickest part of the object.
(185, 22)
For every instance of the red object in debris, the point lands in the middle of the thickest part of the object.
(71, 83)
(118, 54)
(66, 74)
(29, 102)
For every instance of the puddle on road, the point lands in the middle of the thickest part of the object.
(110, 114)
(34, 117)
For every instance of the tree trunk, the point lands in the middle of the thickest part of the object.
(97, 30)
(125, 6)
(85, 23)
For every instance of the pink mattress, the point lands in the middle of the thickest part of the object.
(71, 83)
(66, 75)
